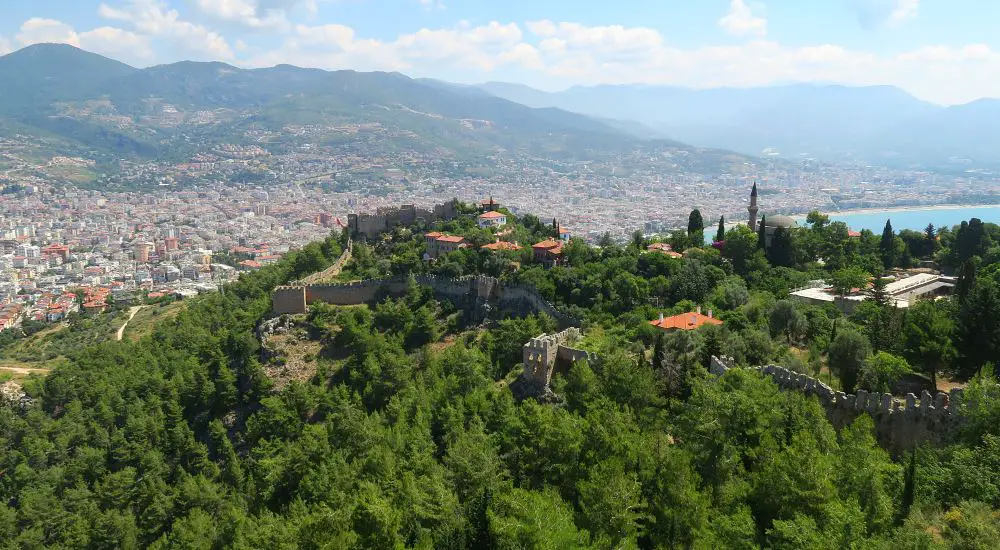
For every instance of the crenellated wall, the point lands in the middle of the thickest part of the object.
(288, 299)
(899, 424)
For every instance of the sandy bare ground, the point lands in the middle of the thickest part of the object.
(24, 370)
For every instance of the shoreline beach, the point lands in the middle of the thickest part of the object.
(916, 208)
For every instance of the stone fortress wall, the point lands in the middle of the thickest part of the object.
(472, 292)
(384, 219)
(899, 425)
(546, 354)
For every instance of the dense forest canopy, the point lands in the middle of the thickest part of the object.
(407, 434)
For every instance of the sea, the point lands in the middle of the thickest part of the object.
(915, 219)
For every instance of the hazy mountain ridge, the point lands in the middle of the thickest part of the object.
(103, 104)
(872, 123)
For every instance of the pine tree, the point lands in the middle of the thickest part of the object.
(877, 293)
(720, 235)
(762, 234)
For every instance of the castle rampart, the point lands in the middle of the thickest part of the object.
(465, 292)
(899, 424)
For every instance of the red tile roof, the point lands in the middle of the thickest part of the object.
(685, 321)
(433, 235)
(492, 215)
(501, 245)
(547, 244)
(450, 239)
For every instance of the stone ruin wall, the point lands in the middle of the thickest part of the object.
(899, 425)
(463, 291)
(384, 219)
(544, 355)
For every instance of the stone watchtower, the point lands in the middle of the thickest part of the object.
(752, 209)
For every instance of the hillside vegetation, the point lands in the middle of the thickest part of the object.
(180, 439)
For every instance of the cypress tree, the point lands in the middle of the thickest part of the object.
(886, 245)
(966, 280)
(762, 234)
(659, 351)
(696, 228)
(720, 235)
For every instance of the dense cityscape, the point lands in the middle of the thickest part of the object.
(183, 228)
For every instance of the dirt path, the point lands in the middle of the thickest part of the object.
(24, 371)
(131, 313)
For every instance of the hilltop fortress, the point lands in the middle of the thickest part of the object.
(385, 219)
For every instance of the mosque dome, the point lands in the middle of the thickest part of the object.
(780, 221)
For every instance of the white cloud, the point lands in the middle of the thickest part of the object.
(432, 4)
(740, 21)
(874, 14)
(38, 30)
(464, 47)
(560, 54)
(118, 44)
(545, 53)
(108, 41)
(904, 9)
(253, 14)
(5, 45)
(152, 18)
(606, 43)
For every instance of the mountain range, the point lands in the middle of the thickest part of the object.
(109, 108)
(877, 124)
(112, 108)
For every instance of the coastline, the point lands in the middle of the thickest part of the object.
(863, 211)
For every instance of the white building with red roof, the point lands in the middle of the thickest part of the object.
(492, 219)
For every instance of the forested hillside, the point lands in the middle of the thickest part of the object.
(407, 435)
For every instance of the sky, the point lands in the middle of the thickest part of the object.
(944, 51)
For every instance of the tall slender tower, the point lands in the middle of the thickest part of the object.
(752, 209)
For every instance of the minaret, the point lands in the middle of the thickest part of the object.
(752, 209)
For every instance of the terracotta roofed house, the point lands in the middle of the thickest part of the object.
(548, 252)
(449, 243)
(501, 245)
(685, 321)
